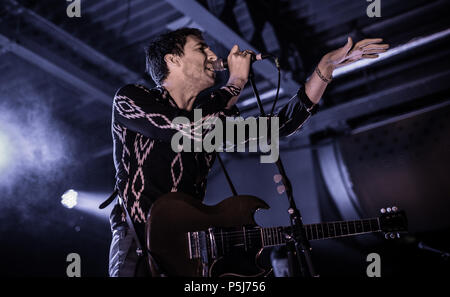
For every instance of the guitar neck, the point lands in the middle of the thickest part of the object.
(276, 235)
(223, 240)
(258, 237)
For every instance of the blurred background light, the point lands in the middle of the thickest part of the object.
(69, 198)
(88, 202)
(5, 151)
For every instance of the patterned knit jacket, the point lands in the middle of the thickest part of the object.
(142, 129)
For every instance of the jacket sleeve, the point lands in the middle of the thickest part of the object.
(291, 118)
(294, 114)
(143, 111)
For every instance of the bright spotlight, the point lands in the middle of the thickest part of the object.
(69, 198)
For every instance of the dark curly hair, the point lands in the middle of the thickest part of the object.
(169, 43)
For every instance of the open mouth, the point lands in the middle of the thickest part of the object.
(212, 71)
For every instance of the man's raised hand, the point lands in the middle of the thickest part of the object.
(366, 48)
(239, 66)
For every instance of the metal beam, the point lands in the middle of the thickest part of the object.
(81, 48)
(400, 117)
(385, 24)
(139, 18)
(228, 38)
(60, 68)
(335, 116)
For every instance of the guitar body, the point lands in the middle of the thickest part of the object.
(173, 215)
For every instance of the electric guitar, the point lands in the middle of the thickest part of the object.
(188, 238)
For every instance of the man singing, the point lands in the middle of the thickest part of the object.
(181, 64)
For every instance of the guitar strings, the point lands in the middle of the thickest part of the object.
(281, 239)
(271, 235)
(311, 227)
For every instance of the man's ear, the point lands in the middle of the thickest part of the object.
(172, 59)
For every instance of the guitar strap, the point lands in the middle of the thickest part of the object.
(154, 268)
(110, 199)
(131, 227)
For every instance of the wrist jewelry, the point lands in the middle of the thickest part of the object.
(326, 80)
(233, 90)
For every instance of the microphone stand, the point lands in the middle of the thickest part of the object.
(445, 256)
(297, 243)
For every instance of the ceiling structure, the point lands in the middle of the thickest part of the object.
(103, 49)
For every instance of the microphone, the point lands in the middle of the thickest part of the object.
(221, 64)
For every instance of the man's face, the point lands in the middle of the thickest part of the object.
(196, 63)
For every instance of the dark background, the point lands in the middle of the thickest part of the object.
(380, 137)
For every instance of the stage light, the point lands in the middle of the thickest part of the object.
(69, 198)
(88, 202)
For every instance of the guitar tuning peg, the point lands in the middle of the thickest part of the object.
(388, 209)
(281, 189)
(383, 210)
(394, 208)
(277, 178)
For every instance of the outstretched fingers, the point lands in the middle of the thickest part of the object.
(372, 56)
(368, 41)
(348, 46)
(374, 51)
(383, 46)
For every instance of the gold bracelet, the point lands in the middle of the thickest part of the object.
(326, 80)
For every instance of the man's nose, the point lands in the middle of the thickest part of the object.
(211, 55)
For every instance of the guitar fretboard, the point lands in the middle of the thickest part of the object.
(277, 235)
(222, 240)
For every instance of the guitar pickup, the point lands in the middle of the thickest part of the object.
(194, 245)
(202, 245)
(212, 243)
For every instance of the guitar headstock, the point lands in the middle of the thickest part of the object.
(392, 222)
